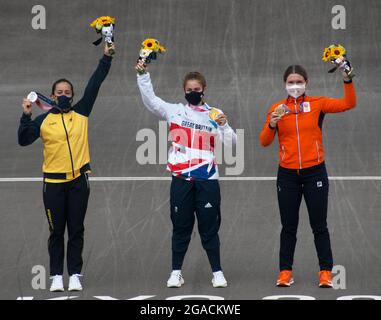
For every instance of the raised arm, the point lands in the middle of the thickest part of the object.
(330, 105)
(85, 105)
(153, 103)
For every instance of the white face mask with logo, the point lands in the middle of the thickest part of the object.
(296, 90)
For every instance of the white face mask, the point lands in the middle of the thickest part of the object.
(296, 90)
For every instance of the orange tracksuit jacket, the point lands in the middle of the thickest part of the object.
(300, 131)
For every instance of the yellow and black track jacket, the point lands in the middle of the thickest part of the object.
(65, 135)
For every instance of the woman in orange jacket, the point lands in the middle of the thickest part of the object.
(298, 120)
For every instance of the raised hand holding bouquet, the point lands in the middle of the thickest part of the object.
(105, 25)
(336, 54)
(149, 49)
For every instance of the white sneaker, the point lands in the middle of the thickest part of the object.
(219, 280)
(74, 283)
(175, 280)
(57, 283)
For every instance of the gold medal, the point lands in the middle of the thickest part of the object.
(214, 113)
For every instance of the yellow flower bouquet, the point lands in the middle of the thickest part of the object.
(333, 52)
(336, 54)
(104, 25)
(153, 44)
(149, 49)
(101, 22)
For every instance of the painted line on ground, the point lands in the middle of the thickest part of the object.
(117, 179)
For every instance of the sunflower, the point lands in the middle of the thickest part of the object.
(149, 44)
(326, 54)
(333, 52)
(153, 44)
(100, 22)
(161, 49)
(337, 51)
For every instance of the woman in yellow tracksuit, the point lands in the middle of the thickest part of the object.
(66, 190)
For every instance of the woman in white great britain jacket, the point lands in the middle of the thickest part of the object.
(195, 189)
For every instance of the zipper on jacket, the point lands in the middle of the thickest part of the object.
(87, 180)
(68, 144)
(297, 133)
(318, 152)
(190, 163)
(284, 152)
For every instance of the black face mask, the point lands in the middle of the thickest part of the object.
(194, 97)
(64, 103)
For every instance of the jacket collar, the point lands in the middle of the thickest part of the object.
(202, 108)
(300, 99)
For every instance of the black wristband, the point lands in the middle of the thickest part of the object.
(271, 127)
(107, 58)
(348, 81)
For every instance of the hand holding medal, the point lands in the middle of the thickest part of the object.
(43, 102)
(217, 117)
(277, 115)
(281, 110)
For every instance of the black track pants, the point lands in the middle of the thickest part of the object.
(312, 183)
(203, 199)
(66, 205)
